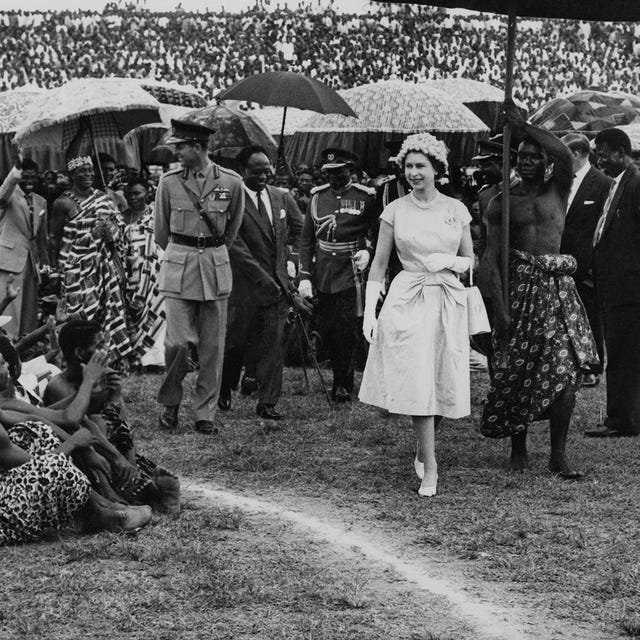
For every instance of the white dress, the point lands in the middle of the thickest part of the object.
(419, 365)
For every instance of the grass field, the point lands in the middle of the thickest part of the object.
(570, 551)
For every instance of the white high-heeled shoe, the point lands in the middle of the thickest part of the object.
(417, 465)
(429, 490)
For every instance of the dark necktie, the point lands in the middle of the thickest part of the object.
(262, 210)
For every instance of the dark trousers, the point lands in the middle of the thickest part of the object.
(594, 315)
(264, 326)
(339, 327)
(622, 341)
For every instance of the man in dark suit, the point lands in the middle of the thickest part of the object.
(588, 194)
(617, 270)
(261, 289)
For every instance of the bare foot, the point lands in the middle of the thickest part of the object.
(167, 499)
(560, 467)
(519, 462)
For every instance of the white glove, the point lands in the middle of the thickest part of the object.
(370, 323)
(441, 261)
(361, 259)
(304, 289)
(291, 269)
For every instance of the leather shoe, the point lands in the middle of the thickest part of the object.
(248, 386)
(206, 426)
(266, 412)
(224, 401)
(341, 395)
(607, 432)
(168, 419)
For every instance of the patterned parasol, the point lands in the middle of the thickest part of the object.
(587, 112)
(234, 128)
(390, 109)
(482, 98)
(633, 131)
(112, 107)
(13, 106)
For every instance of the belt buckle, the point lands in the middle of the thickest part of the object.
(201, 242)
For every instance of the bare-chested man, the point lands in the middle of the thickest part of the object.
(542, 338)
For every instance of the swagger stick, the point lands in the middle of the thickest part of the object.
(310, 350)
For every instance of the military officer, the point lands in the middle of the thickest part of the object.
(198, 213)
(335, 252)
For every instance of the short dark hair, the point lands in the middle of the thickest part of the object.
(615, 139)
(135, 180)
(76, 333)
(577, 142)
(29, 165)
(11, 357)
(103, 157)
(245, 154)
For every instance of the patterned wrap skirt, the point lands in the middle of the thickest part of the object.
(550, 342)
(44, 493)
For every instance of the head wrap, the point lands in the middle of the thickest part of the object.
(74, 163)
(424, 143)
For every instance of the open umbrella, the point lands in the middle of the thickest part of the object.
(390, 109)
(287, 89)
(93, 108)
(633, 131)
(13, 106)
(235, 129)
(482, 98)
(587, 112)
(612, 10)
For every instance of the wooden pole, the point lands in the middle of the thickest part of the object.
(506, 157)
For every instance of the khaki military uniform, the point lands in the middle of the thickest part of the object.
(195, 276)
(337, 225)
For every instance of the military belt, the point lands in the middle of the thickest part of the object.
(342, 248)
(200, 242)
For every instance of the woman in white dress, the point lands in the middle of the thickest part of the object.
(418, 362)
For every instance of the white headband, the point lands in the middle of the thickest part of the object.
(74, 163)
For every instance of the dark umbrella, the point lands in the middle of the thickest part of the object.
(612, 10)
(287, 89)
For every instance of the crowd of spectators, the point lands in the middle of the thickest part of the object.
(212, 50)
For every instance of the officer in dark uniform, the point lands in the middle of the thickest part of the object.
(335, 251)
(198, 213)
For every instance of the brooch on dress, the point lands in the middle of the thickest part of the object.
(452, 222)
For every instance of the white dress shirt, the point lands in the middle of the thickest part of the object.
(607, 205)
(578, 177)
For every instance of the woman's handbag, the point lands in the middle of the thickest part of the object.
(476, 313)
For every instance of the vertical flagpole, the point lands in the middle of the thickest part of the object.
(506, 159)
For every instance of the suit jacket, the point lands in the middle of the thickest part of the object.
(259, 253)
(23, 235)
(582, 218)
(187, 272)
(617, 254)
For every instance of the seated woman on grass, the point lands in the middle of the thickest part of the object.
(40, 488)
(139, 479)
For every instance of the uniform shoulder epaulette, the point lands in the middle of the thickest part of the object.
(229, 172)
(321, 187)
(387, 180)
(283, 189)
(368, 190)
(172, 172)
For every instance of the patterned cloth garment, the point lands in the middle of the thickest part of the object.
(43, 494)
(550, 342)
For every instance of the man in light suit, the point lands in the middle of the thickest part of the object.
(587, 197)
(616, 243)
(197, 216)
(23, 244)
(261, 290)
